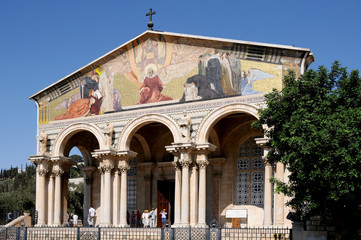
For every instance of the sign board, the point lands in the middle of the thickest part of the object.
(236, 213)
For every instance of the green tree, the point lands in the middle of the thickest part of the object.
(76, 199)
(314, 127)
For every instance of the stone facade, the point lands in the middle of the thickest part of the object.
(198, 159)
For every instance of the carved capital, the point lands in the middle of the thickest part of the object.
(186, 164)
(42, 171)
(176, 165)
(123, 166)
(202, 163)
(43, 167)
(108, 167)
(58, 172)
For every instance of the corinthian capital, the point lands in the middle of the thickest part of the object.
(57, 170)
(108, 167)
(123, 166)
(202, 163)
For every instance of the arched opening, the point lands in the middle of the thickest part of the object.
(232, 133)
(151, 177)
(79, 148)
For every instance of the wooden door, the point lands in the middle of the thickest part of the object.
(163, 203)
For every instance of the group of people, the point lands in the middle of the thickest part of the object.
(136, 219)
(72, 219)
(147, 219)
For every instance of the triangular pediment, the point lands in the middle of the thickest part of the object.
(157, 68)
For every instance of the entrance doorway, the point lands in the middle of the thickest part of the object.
(165, 200)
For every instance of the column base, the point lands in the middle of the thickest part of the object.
(202, 225)
(123, 225)
(41, 225)
(176, 225)
(183, 225)
(105, 225)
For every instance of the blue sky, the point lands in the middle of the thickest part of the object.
(43, 41)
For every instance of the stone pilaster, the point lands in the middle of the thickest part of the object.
(279, 197)
(262, 142)
(217, 164)
(88, 176)
(147, 169)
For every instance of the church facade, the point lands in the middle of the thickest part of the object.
(164, 122)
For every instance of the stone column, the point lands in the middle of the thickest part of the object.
(57, 171)
(202, 161)
(193, 210)
(107, 206)
(202, 193)
(279, 197)
(51, 187)
(116, 197)
(178, 194)
(87, 191)
(99, 218)
(42, 170)
(185, 161)
(108, 158)
(123, 165)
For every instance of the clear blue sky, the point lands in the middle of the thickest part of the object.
(44, 41)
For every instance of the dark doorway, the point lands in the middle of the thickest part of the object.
(165, 200)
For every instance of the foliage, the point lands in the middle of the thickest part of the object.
(76, 198)
(314, 126)
(75, 171)
(18, 189)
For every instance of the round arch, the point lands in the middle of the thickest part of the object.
(67, 133)
(211, 119)
(131, 128)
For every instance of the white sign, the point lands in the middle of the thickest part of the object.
(236, 213)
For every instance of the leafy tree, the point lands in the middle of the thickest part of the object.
(76, 198)
(314, 127)
(75, 171)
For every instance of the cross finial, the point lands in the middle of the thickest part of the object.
(150, 23)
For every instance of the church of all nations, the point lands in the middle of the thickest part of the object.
(164, 122)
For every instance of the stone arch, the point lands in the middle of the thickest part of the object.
(67, 133)
(131, 128)
(212, 118)
(145, 146)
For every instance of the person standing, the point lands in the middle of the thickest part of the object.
(75, 220)
(68, 219)
(164, 217)
(91, 216)
(152, 218)
(145, 218)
